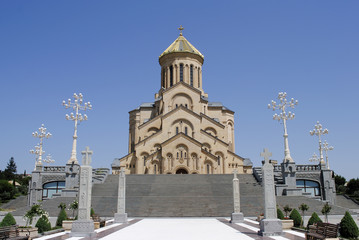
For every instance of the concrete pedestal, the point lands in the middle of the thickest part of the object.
(83, 228)
(271, 227)
(237, 218)
(120, 218)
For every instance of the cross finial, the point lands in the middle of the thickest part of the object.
(235, 171)
(266, 154)
(86, 156)
(180, 28)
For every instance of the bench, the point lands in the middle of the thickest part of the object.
(322, 231)
(10, 232)
(97, 218)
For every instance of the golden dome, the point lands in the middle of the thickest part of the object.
(181, 45)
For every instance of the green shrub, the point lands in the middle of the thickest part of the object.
(287, 210)
(43, 224)
(7, 191)
(295, 216)
(92, 212)
(61, 217)
(314, 219)
(348, 227)
(280, 214)
(8, 220)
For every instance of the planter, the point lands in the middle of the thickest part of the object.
(96, 224)
(28, 232)
(287, 223)
(67, 225)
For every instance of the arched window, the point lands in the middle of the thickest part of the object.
(52, 187)
(176, 130)
(208, 168)
(185, 130)
(144, 160)
(163, 77)
(219, 160)
(191, 75)
(309, 186)
(171, 76)
(177, 154)
(181, 72)
(181, 154)
(155, 166)
(199, 83)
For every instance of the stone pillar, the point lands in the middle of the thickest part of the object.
(290, 179)
(237, 216)
(35, 188)
(328, 183)
(84, 226)
(121, 215)
(270, 225)
(72, 171)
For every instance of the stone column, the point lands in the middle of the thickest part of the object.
(237, 216)
(270, 225)
(121, 215)
(84, 226)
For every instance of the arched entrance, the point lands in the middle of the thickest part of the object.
(181, 171)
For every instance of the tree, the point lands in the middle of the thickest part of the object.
(43, 224)
(74, 206)
(8, 220)
(339, 180)
(295, 216)
(280, 214)
(10, 169)
(287, 209)
(61, 217)
(352, 186)
(314, 219)
(325, 210)
(7, 191)
(303, 207)
(348, 227)
(34, 211)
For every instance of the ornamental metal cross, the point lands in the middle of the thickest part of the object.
(86, 156)
(266, 154)
(180, 28)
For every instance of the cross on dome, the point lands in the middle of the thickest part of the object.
(180, 28)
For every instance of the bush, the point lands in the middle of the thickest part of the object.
(43, 224)
(348, 227)
(352, 186)
(92, 212)
(8, 220)
(280, 214)
(295, 216)
(314, 219)
(61, 217)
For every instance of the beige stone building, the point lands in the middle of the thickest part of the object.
(181, 132)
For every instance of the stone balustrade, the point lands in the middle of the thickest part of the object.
(54, 169)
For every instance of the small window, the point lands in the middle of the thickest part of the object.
(181, 72)
(176, 130)
(219, 160)
(177, 155)
(163, 77)
(176, 105)
(186, 105)
(171, 76)
(191, 75)
(199, 83)
(185, 130)
(144, 160)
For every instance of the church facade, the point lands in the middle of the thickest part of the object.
(181, 132)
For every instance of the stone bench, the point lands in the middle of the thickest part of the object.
(10, 232)
(322, 231)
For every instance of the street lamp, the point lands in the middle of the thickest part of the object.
(319, 131)
(76, 105)
(314, 158)
(327, 148)
(49, 159)
(38, 149)
(284, 117)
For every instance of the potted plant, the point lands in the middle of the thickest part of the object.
(67, 224)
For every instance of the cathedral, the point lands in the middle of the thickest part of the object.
(181, 132)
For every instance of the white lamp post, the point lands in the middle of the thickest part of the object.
(49, 159)
(38, 149)
(314, 158)
(327, 148)
(284, 117)
(76, 105)
(319, 131)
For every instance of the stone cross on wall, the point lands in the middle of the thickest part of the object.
(86, 157)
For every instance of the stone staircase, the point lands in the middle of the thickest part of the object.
(178, 195)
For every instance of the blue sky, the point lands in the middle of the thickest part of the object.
(252, 49)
